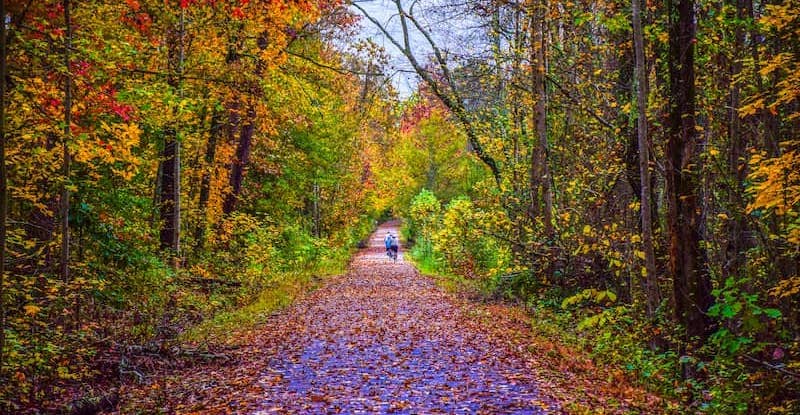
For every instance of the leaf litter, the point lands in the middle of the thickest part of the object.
(383, 339)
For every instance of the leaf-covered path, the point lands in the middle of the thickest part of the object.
(383, 339)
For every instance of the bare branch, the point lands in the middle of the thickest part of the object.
(449, 98)
(342, 71)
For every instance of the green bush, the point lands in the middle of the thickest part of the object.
(464, 245)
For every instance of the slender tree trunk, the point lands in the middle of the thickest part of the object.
(65, 167)
(208, 172)
(737, 225)
(315, 214)
(239, 165)
(653, 296)
(170, 199)
(541, 191)
(688, 261)
(3, 182)
(623, 91)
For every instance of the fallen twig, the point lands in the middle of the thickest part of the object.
(773, 367)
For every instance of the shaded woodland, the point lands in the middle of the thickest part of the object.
(628, 172)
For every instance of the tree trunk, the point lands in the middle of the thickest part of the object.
(541, 191)
(653, 296)
(170, 192)
(208, 172)
(170, 199)
(737, 225)
(239, 164)
(65, 167)
(688, 261)
(3, 185)
(315, 213)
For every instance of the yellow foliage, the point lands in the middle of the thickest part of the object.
(777, 185)
(31, 309)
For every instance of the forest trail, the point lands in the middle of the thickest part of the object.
(379, 339)
(383, 339)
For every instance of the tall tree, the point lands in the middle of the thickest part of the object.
(541, 198)
(65, 143)
(241, 159)
(170, 193)
(442, 84)
(737, 225)
(3, 181)
(688, 261)
(650, 279)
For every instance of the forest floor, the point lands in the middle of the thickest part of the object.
(384, 339)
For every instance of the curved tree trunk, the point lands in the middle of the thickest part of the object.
(239, 164)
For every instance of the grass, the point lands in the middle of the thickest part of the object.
(428, 264)
(229, 326)
(219, 328)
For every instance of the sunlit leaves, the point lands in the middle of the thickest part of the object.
(776, 190)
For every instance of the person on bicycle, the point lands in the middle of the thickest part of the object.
(387, 242)
(390, 242)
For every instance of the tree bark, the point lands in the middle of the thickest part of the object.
(65, 167)
(170, 192)
(170, 201)
(205, 181)
(541, 191)
(653, 296)
(3, 183)
(737, 224)
(688, 261)
(239, 164)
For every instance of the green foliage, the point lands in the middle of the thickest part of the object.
(423, 220)
(464, 245)
(741, 316)
(603, 297)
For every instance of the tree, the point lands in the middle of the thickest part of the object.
(540, 177)
(65, 143)
(170, 180)
(650, 278)
(3, 183)
(687, 258)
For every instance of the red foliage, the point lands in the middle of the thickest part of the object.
(133, 4)
(412, 118)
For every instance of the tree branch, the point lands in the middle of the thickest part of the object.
(451, 100)
(332, 68)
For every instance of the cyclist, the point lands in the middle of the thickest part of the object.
(390, 242)
(387, 242)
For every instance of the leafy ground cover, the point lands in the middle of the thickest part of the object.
(383, 338)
